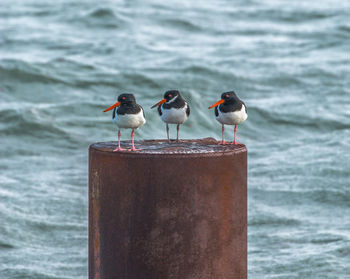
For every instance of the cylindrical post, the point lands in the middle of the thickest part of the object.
(175, 210)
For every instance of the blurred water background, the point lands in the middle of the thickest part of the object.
(62, 62)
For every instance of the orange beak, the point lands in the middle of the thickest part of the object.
(117, 104)
(159, 103)
(216, 104)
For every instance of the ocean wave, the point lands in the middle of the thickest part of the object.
(204, 73)
(324, 239)
(6, 245)
(344, 251)
(282, 15)
(27, 273)
(73, 65)
(102, 12)
(345, 28)
(101, 17)
(21, 71)
(294, 119)
(298, 16)
(45, 226)
(184, 25)
(331, 197)
(139, 79)
(199, 69)
(25, 122)
(272, 221)
(116, 81)
(42, 11)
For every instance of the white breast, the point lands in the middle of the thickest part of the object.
(131, 121)
(174, 115)
(232, 118)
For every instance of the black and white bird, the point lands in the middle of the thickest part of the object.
(230, 110)
(129, 115)
(173, 109)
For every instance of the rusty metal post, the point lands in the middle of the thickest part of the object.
(174, 210)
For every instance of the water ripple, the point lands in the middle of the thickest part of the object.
(63, 62)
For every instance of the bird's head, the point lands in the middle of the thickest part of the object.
(123, 99)
(229, 96)
(169, 96)
(226, 97)
(126, 98)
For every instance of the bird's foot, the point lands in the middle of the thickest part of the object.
(134, 149)
(235, 143)
(223, 142)
(118, 149)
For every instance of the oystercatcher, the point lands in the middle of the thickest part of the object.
(127, 114)
(173, 109)
(232, 111)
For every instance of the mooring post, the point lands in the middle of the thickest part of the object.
(175, 210)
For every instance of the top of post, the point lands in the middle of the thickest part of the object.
(206, 146)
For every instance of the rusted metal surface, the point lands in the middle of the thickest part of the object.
(168, 211)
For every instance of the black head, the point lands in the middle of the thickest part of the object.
(126, 98)
(171, 94)
(229, 96)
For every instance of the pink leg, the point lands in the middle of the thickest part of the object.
(119, 148)
(177, 129)
(234, 140)
(132, 141)
(223, 135)
(167, 132)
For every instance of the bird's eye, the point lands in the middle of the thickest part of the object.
(170, 95)
(123, 98)
(227, 96)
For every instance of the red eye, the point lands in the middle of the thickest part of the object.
(170, 95)
(123, 98)
(227, 95)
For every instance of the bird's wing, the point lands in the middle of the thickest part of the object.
(143, 111)
(245, 107)
(216, 111)
(188, 110)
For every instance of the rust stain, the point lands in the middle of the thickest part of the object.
(171, 212)
(95, 224)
